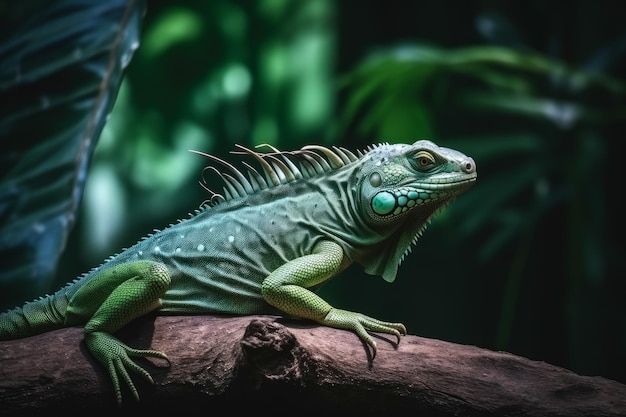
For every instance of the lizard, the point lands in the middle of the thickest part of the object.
(263, 245)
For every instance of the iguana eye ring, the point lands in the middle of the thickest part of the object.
(424, 160)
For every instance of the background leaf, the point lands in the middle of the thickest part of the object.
(62, 64)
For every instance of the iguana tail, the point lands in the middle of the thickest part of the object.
(34, 317)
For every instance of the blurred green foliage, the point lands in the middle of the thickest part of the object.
(528, 261)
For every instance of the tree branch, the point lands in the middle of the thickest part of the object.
(253, 363)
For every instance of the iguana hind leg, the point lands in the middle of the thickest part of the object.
(108, 302)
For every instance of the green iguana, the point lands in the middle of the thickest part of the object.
(262, 247)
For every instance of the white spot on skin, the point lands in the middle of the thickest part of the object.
(157, 249)
(140, 253)
(231, 239)
(200, 247)
(178, 250)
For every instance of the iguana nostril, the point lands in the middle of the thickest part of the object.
(469, 166)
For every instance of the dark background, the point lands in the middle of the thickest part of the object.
(529, 261)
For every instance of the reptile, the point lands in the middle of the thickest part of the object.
(263, 245)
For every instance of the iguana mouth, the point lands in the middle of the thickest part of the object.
(451, 186)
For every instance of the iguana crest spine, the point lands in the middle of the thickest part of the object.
(278, 168)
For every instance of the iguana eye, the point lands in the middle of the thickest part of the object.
(424, 160)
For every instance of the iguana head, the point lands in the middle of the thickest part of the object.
(399, 188)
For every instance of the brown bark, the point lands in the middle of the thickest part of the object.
(274, 365)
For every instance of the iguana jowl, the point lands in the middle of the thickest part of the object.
(262, 246)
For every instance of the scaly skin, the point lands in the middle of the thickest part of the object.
(262, 248)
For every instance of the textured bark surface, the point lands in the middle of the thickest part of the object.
(270, 364)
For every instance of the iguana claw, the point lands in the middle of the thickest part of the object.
(116, 357)
(361, 324)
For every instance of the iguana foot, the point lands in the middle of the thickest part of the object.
(360, 324)
(116, 357)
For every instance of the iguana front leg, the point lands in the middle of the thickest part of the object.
(108, 302)
(286, 289)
